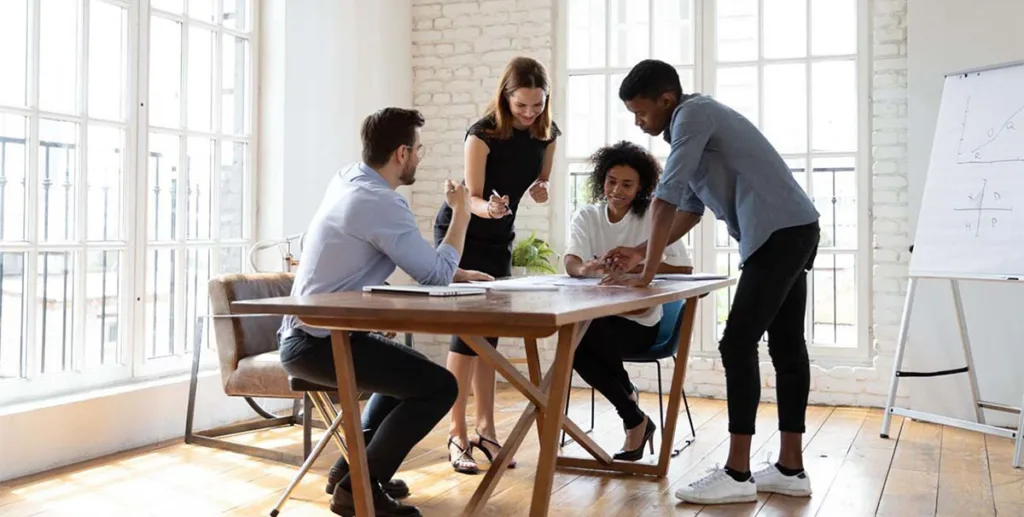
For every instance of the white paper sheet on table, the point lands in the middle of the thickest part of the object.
(526, 283)
(695, 277)
(539, 283)
(585, 282)
(554, 282)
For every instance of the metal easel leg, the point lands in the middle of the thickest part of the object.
(1018, 450)
(901, 348)
(965, 340)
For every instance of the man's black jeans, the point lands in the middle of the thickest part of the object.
(410, 392)
(771, 297)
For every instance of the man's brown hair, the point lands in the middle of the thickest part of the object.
(386, 130)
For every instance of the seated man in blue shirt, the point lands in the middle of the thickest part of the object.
(361, 231)
(719, 159)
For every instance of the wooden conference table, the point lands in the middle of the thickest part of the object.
(522, 314)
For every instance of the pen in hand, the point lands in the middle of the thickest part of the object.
(496, 194)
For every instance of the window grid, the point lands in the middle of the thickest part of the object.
(835, 257)
(180, 254)
(46, 271)
(818, 333)
(74, 172)
(578, 166)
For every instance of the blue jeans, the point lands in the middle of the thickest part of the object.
(410, 392)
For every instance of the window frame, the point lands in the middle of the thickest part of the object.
(132, 243)
(704, 68)
(179, 362)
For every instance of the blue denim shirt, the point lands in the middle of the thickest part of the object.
(720, 160)
(361, 231)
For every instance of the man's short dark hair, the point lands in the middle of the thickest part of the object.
(387, 130)
(649, 79)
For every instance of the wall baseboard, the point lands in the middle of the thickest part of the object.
(64, 434)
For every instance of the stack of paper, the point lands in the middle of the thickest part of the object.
(554, 282)
(526, 283)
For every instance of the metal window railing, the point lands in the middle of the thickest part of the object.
(57, 185)
(832, 224)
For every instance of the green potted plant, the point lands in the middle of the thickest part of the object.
(532, 255)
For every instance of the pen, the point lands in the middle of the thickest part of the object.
(495, 192)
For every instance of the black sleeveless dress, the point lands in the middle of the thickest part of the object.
(513, 164)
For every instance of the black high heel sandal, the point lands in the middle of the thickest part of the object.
(638, 453)
(463, 457)
(490, 459)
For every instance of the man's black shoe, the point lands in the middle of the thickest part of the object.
(342, 503)
(395, 488)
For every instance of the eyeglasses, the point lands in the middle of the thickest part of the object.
(420, 150)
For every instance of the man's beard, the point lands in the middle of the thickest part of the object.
(408, 175)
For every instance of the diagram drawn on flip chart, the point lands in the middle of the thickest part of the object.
(971, 223)
(983, 208)
(991, 141)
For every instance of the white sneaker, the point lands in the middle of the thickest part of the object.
(769, 479)
(718, 487)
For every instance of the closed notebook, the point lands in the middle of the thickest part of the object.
(426, 290)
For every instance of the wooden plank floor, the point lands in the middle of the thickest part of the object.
(925, 469)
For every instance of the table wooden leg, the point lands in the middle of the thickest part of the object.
(668, 434)
(533, 363)
(349, 397)
(487, 353)
(497, 469)
(567, 338)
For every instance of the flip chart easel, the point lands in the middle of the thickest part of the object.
(971, 224)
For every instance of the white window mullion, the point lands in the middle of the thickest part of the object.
(863, 175)
(249, 233)
(809, 181)
(760, 64)
(706, 228)
(127, 4)
(181, 188)
(130, 257)
(140, 252)
(218, 117)
(80, 257)
(30, 359)
(607, 63)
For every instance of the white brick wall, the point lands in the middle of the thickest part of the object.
(459, 50)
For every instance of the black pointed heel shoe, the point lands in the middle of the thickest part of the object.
(638, 453)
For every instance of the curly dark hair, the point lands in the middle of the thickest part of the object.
(633, 156)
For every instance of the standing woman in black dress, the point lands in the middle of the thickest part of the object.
(508, 153)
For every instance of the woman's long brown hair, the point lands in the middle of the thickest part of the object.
(521, 72)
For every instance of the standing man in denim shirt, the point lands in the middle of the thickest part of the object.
(361, 231)
(721, 161)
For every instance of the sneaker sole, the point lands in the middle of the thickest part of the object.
(784, 491)
(728, 500)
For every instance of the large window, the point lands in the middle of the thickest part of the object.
(794, 68)
(125, 180)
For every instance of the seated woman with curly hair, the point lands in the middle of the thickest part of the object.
(624, 177)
